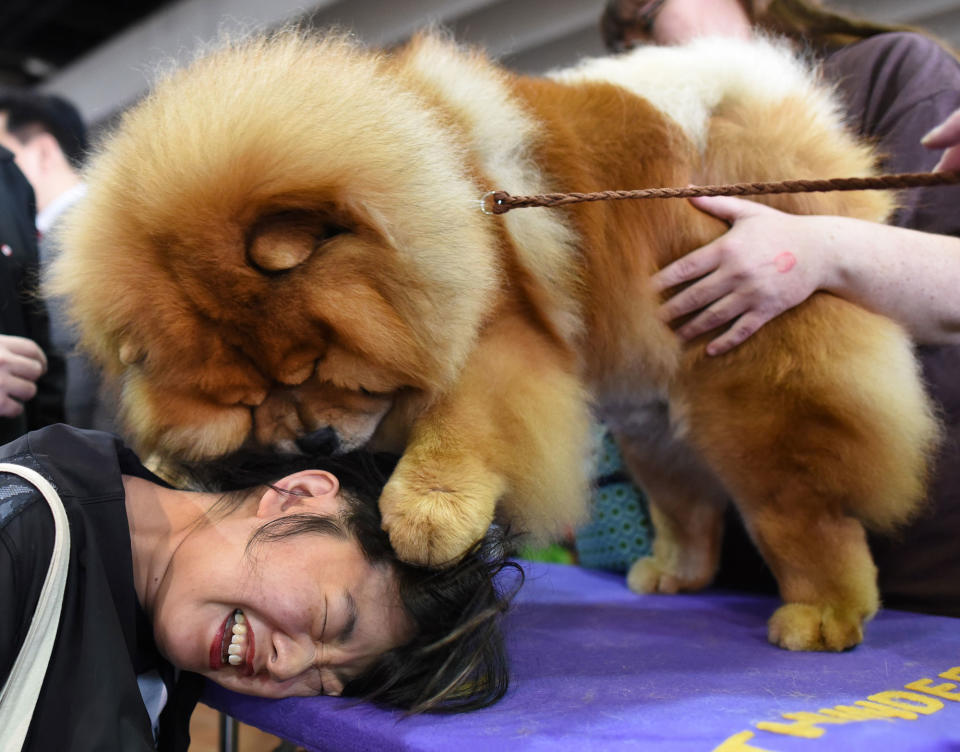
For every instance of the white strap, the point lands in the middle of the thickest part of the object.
(22, 689)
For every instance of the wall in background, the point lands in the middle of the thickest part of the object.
(528, 35)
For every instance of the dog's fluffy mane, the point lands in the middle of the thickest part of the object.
(189, 184)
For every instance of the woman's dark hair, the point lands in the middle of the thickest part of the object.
(456, 660)
(811, 21)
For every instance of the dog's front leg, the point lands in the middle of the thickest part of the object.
(511, 435)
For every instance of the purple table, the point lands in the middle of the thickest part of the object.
(596, 667)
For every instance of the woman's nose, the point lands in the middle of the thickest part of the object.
(290, 657)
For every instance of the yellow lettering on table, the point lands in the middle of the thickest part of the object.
(903, 703)
(909, 701)
(866, 711)
(738, 743)
(804, 726)
(941, 690)
(886, 711)
(951, 673)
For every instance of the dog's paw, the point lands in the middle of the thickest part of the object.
(804, 626)
(648, 576)
(431, 522)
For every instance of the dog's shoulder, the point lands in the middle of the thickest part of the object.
(477, 94)
(500, 133)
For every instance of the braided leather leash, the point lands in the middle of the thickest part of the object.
(500, 202)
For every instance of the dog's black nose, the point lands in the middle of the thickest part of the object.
(321, 441)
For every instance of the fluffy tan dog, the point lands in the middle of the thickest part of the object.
(285, 237)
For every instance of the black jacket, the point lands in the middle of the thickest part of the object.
(90, 699)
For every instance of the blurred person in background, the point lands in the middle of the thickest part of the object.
(48, 137)
(31, 374)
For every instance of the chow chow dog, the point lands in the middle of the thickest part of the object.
(284, 241)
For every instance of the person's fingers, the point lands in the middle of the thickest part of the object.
(727, 208)
(18, 366)
(721, 312)
(949, 161)
(20, 389)
(25, 348)
(944, 135)
(707, 258)
(9, 408)
(743, 328)
(686, 268)
(699, 295)
(22, 362)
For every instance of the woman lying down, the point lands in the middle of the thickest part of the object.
(285, 587)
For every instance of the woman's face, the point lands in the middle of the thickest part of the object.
(297, 616)
(679, 21)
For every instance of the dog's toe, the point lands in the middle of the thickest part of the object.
(804, 626)
(646, 576)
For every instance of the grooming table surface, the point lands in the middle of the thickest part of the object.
(596, 667)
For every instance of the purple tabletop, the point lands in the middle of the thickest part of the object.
(596, 667)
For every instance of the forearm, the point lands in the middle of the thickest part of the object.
(912, 277)
(769, 262)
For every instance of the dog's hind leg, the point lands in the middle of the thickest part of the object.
(817, 429)
(816, 550)
(824, 569)
(686, 507)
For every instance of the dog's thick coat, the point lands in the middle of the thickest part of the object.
(286, 236)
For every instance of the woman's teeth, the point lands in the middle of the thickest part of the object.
(238, 642)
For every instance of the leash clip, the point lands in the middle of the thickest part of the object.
(488, 200)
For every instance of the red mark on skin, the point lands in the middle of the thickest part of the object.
(785, 262)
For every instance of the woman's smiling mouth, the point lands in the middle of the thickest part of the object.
(234, 644)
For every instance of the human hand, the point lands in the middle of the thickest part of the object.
(946, 136)
(22, 362)
(768, 262)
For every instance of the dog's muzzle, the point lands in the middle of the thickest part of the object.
(321, 441)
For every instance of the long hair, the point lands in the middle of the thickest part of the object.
(456, 660)
(809, 21)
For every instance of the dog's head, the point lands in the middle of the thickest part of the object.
(279, 240)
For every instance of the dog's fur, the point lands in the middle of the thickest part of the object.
(286, 236)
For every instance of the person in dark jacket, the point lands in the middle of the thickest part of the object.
(287, 587)
(48, 139)
(31, 374)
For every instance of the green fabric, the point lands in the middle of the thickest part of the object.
(619, 531)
